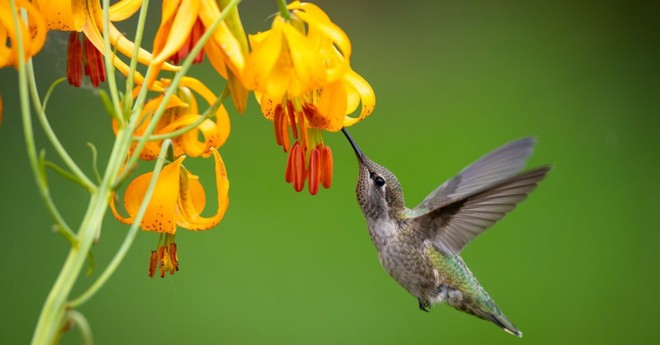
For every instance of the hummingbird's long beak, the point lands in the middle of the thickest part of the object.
(357, 150)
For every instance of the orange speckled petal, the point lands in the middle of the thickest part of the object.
(159, 216)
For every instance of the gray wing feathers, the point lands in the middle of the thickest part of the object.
(455, 225)
(498, 165)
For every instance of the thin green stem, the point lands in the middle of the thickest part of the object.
(26, 116)
(142, 19)
(51, 89)
(57, 169)
(172, 88)
(95, 157)
(109, 56)
(50, 134)
(284, 12)
(85, 330)
(130, 236)
(207, 114)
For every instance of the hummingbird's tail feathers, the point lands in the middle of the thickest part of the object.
(494, 315)
(506, 325)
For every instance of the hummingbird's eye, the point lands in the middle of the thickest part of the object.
(379, 181)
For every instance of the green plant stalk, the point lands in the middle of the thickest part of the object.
(142, 19)
(130, 235)
(54, 310)
(85, 330)
(109, 57)
(284, 12)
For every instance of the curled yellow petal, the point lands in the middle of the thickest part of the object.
(358, 90)
(124, 9)
(190, 200)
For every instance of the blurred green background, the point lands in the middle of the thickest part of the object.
(576, 263)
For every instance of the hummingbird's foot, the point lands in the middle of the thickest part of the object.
(424, 305)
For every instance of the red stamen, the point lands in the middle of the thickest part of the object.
(74, 60)
(326, 166)
(174, 258)
(314, 171)
(299, 173)
(284, 129)
(277, 119)
(94, 66)
(161, 257)
(153, 263)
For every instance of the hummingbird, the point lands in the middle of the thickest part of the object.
(420, 247)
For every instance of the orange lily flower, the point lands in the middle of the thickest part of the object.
(178, 200)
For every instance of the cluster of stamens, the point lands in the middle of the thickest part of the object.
(309, 158)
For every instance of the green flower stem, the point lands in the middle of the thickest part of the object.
(284, 12)
(207, 114)
(109, 57)
(130, 236)
(42, 185)
(142, 19)
(52, 137)
(85, 330)
(54, 309)
(48, 164)
(171, 89)
(50, 91)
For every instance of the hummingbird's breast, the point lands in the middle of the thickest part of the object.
(402, 255)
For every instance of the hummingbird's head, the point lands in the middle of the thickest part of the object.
(378, 191)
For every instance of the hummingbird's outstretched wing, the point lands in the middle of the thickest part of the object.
(488, 171)
(453, 226)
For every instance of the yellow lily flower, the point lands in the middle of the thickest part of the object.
(178, 200)
(302, 79)
(33, 32)
(182, 111)
(87, 16)
(183, 22)
(286, 61)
